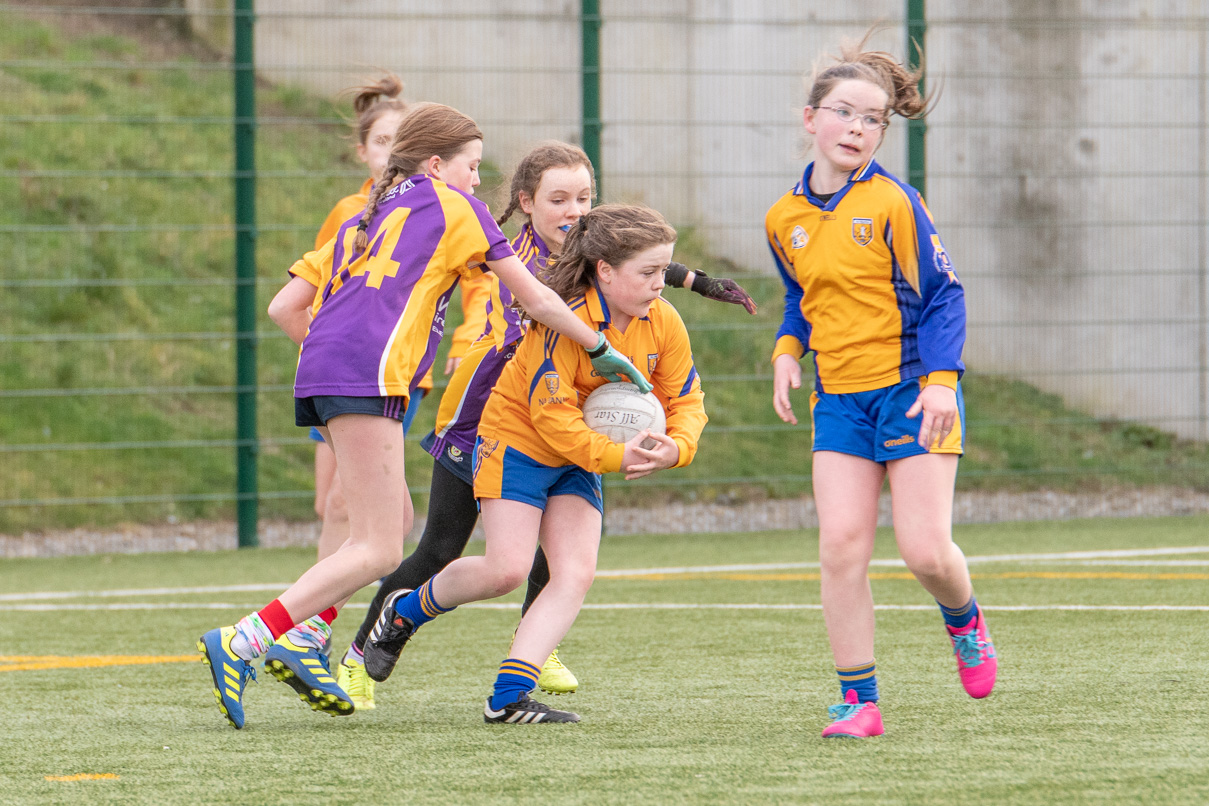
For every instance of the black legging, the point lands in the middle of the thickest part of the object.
(452, 514)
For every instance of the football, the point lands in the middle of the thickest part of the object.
(619, 411)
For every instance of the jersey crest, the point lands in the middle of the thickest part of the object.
(799, 237)
(652, 360)
(551, 380)
(862, 231)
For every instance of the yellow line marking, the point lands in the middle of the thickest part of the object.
(799, 577)
(24, 663)
(85, 776)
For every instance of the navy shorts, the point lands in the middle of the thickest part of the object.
(457, 461)
(874, 424)
(317, 410)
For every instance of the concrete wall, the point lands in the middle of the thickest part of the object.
(1067, 156)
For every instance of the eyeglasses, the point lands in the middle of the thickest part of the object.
(869, 122)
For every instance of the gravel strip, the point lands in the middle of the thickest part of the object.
(677, 518)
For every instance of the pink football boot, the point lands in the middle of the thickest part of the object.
(854, 720)
(976, 663)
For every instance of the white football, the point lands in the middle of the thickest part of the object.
(620, 411)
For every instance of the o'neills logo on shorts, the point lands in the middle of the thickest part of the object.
(905, 439)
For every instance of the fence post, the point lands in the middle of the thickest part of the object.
(917, 159)
(589, 70)
(245, 274)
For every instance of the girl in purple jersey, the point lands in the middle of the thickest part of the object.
(553, 186)
(373, 337)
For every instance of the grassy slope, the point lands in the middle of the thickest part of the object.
(139, 278)
(680, 706)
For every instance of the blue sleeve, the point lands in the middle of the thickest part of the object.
(793, 323)
(942, 323)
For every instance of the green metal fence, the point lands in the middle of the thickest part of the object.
(164, 163)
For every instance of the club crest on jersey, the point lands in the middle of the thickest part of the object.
(551, 379)
(862, 231)
(652, 359)
(941, 258)
(486, 448)
(799, 237)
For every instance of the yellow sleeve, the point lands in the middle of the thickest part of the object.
(678, 386)
(554, 403)
(789, 345)
(941, 377)
(475, 294)
(316, 267)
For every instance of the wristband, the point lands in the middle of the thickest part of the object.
(703, 279)
(675, 274)
(601, 347)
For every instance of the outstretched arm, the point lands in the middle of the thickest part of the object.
(720, 289)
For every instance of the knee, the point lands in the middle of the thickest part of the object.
(506, 577)
(930, 562)
(386, 560)
(576, 580)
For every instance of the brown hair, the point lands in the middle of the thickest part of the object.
(877, 67)
(427, 130)
(613, 233)
(544, 156)
(371, 101)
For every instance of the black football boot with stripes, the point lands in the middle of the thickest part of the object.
(526, 712)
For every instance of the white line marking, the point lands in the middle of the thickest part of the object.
(1086, 558)
(45, 608)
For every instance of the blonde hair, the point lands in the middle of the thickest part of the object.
(878, 68)
(427, 130)
(544, 156)
(613, 233)
(373, 100)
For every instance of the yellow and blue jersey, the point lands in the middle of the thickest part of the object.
(868, 284)
(535, 407)
(381, 312)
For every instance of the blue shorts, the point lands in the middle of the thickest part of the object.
(319, 409)
(874, 424)
(452, 458)
(501, 471)
(315, 435)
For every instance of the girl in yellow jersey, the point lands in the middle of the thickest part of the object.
(553, 185)
(869, 288)
(538, 465)
(374, 334)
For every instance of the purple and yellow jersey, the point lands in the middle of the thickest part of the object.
(476, 297)
(382, 311)
(868, 285)
(504, 322)
(535, 407)
(470, 385)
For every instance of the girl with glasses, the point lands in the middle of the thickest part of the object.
(870, 290)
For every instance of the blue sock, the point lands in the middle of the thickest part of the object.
(419, 607)
(516, 678)
(861, 679)
(959, 617)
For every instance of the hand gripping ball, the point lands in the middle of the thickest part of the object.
(620, 411)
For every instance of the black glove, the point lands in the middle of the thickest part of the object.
(675, 274)
(722, 290)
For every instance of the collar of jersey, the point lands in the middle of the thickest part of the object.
(861, 174)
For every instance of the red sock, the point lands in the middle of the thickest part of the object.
(329, 615)
(276, 619)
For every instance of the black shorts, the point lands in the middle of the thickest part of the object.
(317, 410)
